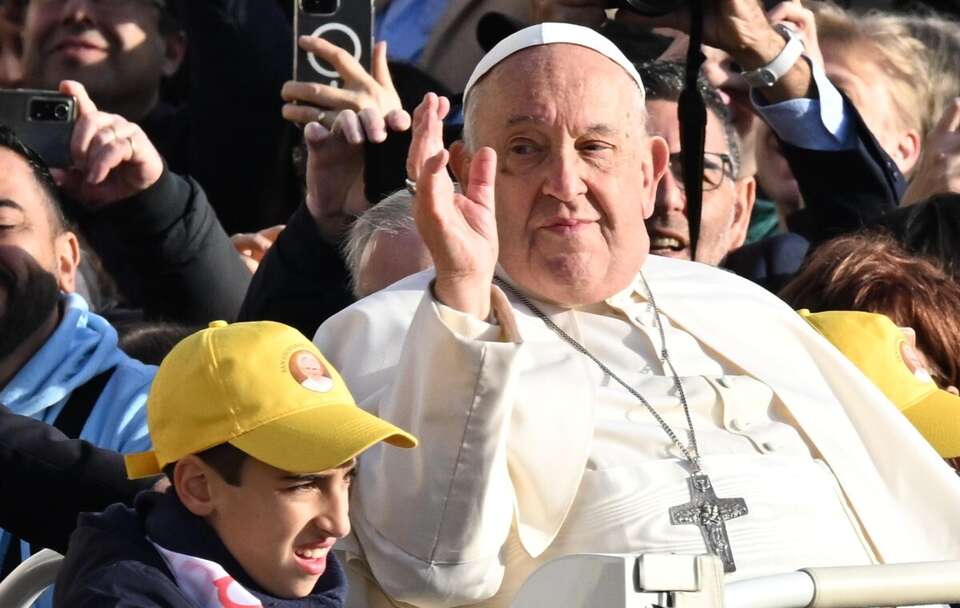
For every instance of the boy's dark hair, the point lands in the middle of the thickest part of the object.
(10, 141)
(225, 459)
(150, 341)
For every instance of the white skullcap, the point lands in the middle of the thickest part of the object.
(551, 33)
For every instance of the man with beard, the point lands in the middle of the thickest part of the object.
(60, 363)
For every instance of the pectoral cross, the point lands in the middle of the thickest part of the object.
(709, 513)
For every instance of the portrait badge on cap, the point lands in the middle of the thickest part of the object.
(310, 372)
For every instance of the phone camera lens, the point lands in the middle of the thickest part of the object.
(49, 110)
(320, 7)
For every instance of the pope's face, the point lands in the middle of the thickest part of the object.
(576, 171)
(311, 366)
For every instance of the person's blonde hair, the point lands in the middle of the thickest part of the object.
(887, 43)
(941, 39)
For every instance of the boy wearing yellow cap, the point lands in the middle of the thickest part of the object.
(258, 435)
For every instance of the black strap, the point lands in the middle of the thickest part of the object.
(70, 422)
(80, 403)
(693, 124)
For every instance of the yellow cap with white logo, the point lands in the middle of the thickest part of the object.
(265, 389)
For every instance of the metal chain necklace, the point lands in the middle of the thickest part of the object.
(704, 510)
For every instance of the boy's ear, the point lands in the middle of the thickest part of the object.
(192, 482)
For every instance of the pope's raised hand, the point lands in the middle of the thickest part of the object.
(459, 229)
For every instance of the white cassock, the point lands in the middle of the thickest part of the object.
(528, 451)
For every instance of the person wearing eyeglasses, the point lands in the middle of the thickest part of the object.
(728, 198)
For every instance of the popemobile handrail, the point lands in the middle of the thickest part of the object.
(697, 581)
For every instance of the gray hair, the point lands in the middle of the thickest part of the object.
(665, 80)
(393, 215)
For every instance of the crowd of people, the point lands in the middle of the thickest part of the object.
(243, 292)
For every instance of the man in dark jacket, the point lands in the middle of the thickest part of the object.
(224, 132)
(260, 474)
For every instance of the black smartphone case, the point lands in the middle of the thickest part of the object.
(350, 27)
(48, 138)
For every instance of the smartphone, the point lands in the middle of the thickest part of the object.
(345, 23)
(43, 120)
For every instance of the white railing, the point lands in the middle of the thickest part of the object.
(684, 581)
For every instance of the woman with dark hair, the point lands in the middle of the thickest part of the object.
(870, 272)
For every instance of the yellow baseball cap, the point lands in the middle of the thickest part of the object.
(877, 346)
(265, 389)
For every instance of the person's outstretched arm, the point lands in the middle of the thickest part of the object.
(47, 479)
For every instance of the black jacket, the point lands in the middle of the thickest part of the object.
(227, 131)
(44, 471)
(928, 228)
(168, 253)
(112, 564)
(302, 280)
(843, 190)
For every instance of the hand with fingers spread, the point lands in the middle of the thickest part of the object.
(361, 92)
(460, 230)
(253, 246)
(112, 157)
(364, 110)
(938, 170)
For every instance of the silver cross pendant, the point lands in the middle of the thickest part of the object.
(709, 513)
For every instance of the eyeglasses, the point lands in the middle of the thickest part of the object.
(716, 166)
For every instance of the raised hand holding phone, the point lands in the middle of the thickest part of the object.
(112, 158)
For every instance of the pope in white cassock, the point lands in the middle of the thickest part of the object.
(572, 394)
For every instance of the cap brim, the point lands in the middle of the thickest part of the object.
(142, 464)
(320, 438)
(937, 417)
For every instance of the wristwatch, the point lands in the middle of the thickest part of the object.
(768, 75)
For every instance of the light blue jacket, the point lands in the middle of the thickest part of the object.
(83, 346)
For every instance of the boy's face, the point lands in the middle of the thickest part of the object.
(280, 527)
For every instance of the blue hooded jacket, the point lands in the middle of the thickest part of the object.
(83, 346)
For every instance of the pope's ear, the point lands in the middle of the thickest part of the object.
(460, 162)
(653, 171)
